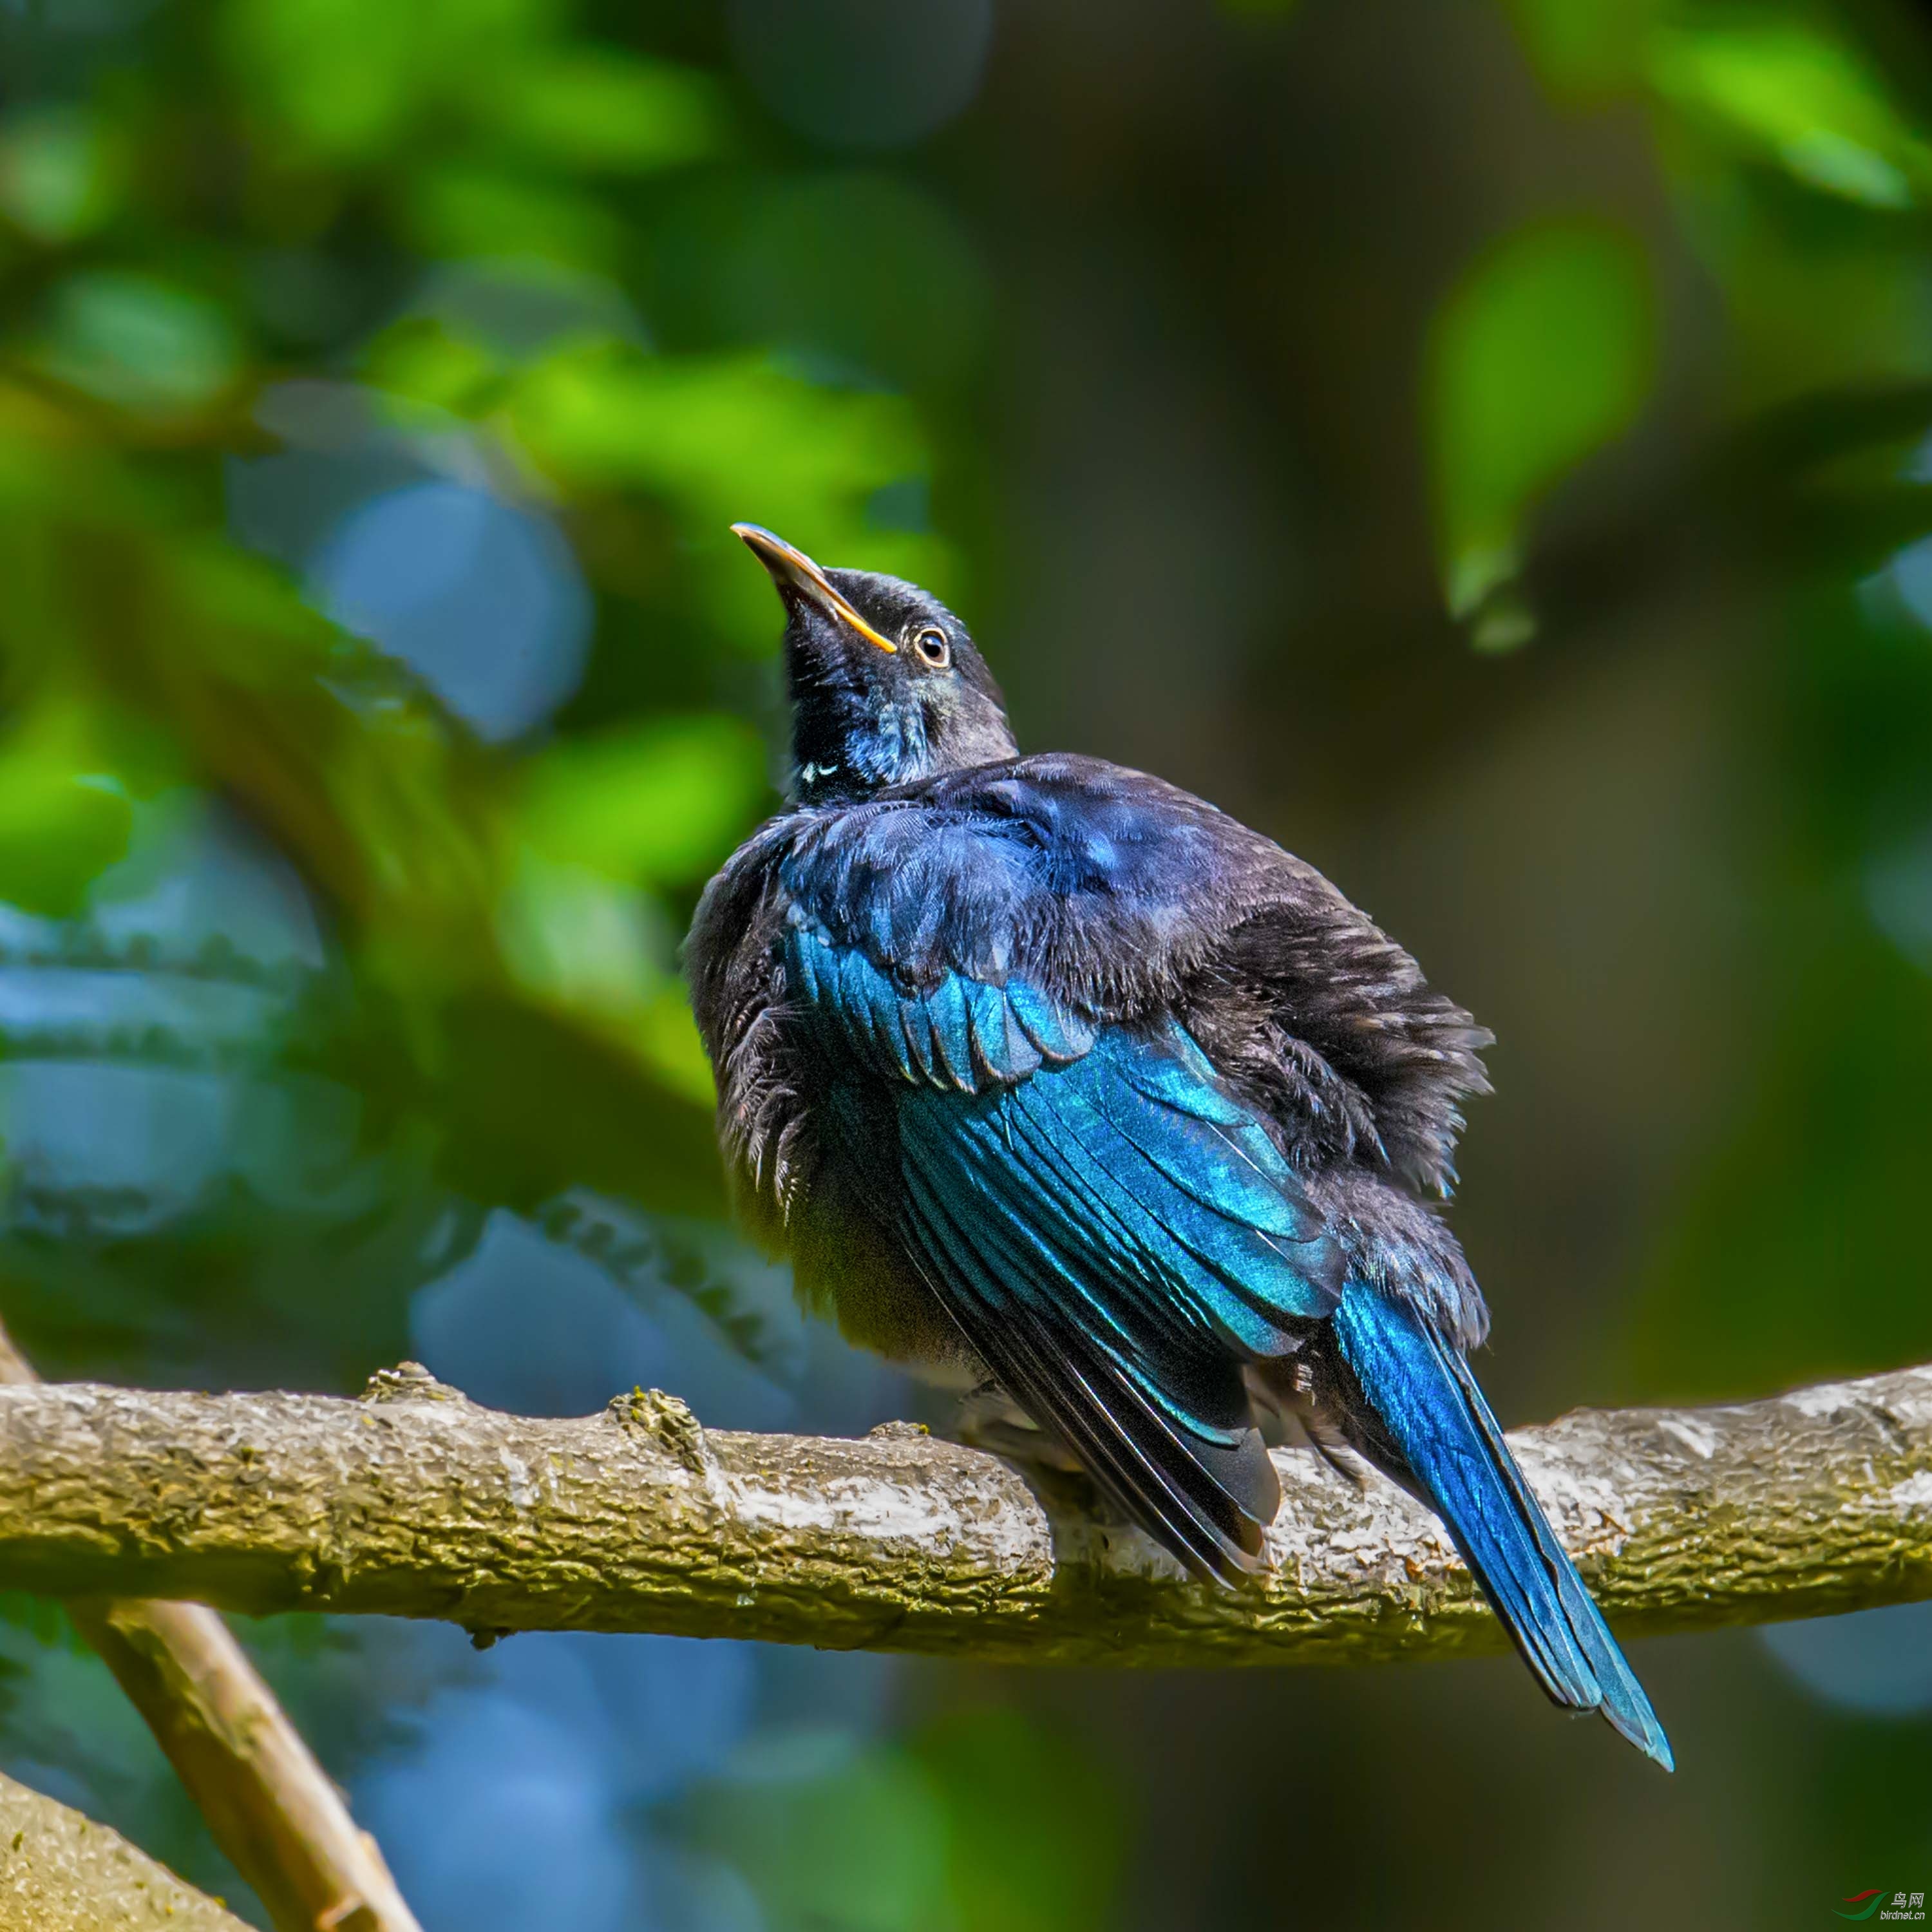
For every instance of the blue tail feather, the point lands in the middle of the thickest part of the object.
(1429, 1406)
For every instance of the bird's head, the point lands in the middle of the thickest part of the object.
(886, 687)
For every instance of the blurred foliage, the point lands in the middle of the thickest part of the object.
(1546, 349)
(263, 195)
(341, 879)
(981, 1821)
(1510, 419)
(1795, 143)
(1800, 97)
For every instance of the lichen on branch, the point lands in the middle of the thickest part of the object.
(416, 1501)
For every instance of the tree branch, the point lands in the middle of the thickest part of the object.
(267, 1804)
(415, 1501)
(60, 1872)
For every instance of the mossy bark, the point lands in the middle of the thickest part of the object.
(60, 1872)
(416, 1502)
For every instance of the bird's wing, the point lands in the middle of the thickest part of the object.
(1112, 1230)
(1113, 890)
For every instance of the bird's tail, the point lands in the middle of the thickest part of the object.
(1429, 1410)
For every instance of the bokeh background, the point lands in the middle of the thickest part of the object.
(1484, 445)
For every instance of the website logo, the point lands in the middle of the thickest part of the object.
(1898, 1907)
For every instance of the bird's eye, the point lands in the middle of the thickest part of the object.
(933, 647)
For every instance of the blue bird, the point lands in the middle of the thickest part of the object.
(1053, 1077)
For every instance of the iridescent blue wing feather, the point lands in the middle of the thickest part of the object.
(1112, 1230)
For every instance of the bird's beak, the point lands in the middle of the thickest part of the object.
(793, 571)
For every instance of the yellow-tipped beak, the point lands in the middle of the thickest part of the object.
(792, 569)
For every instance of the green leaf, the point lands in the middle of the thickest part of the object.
(58, 832)
(64, 819)
(337, 75)
(577, 939)
(420, 360)
(720, 439)
(464, 208)
(1544, 352)
(659, 803)
(344, 82)
(603, 822)
(139, 342)
(1801, 99)
(61, 175)
(600, 110)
